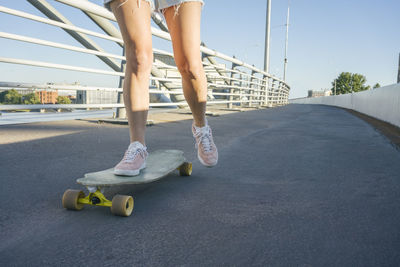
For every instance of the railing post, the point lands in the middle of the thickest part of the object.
(231, 90)
(121, 112)
(210, 94)
(272, 92)
(251, 98)
(240, 89)
(283, 94)
(259, 93)
(287, 94)
(279, 93)
(266, 90)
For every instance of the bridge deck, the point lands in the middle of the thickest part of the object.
(295, 185)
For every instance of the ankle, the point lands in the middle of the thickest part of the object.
(139, 141)
(200, 124)
(138, 144)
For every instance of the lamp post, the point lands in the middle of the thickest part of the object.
(267, 36)
(398, 72)
(286, 42)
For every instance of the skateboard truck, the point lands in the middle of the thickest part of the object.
(120, 205)
(95, 197)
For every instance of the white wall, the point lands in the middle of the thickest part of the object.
(381, 103)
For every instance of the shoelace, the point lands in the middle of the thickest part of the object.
(204, 137)
(131, 154)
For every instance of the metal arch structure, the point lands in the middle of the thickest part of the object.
(241, 84)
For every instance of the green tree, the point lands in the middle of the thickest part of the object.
(2, 95)
(377, 85)
(12, 97)
(348, 82)
(31, 99)
(63, 100)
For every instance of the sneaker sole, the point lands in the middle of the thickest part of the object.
(205, 164)
(129, 172)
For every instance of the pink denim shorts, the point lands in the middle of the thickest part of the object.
(156, 5)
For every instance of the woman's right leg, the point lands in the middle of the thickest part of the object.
(133, 18)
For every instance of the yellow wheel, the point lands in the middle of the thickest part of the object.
(70, 199)
(185, 169)
(122, 205)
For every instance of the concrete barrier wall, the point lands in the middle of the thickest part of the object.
(382, 103)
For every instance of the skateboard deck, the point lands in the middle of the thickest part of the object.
(158, 165)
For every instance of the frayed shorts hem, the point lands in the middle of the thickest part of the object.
(155, 5)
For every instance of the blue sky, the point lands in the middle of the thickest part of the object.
(325, 38)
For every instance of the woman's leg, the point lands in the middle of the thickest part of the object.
(134, 22)
(184, 27)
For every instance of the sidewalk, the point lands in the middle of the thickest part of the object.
(14, 133)
(164, 115)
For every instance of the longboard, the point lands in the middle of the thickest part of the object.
(158, 165)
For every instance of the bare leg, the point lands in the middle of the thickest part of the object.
(134, 23)
(184, 27)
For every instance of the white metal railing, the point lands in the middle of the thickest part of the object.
(241, 84)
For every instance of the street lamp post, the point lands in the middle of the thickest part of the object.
(286, 42)
(267, 36)
(398, 72)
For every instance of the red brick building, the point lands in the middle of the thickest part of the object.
(47, 97)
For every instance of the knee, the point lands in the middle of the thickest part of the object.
(190, 69)
(140, 60)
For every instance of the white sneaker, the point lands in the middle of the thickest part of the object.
(134, 160)
(206, 149)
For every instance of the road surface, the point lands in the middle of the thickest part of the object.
(300, 185)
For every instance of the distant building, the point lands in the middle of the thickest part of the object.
(45, 94)
(313, 93)
(96, 97)
(26, 91)
(47, 97)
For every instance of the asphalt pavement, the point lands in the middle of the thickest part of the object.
(299, 185)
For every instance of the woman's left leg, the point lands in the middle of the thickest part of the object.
(184, 26)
